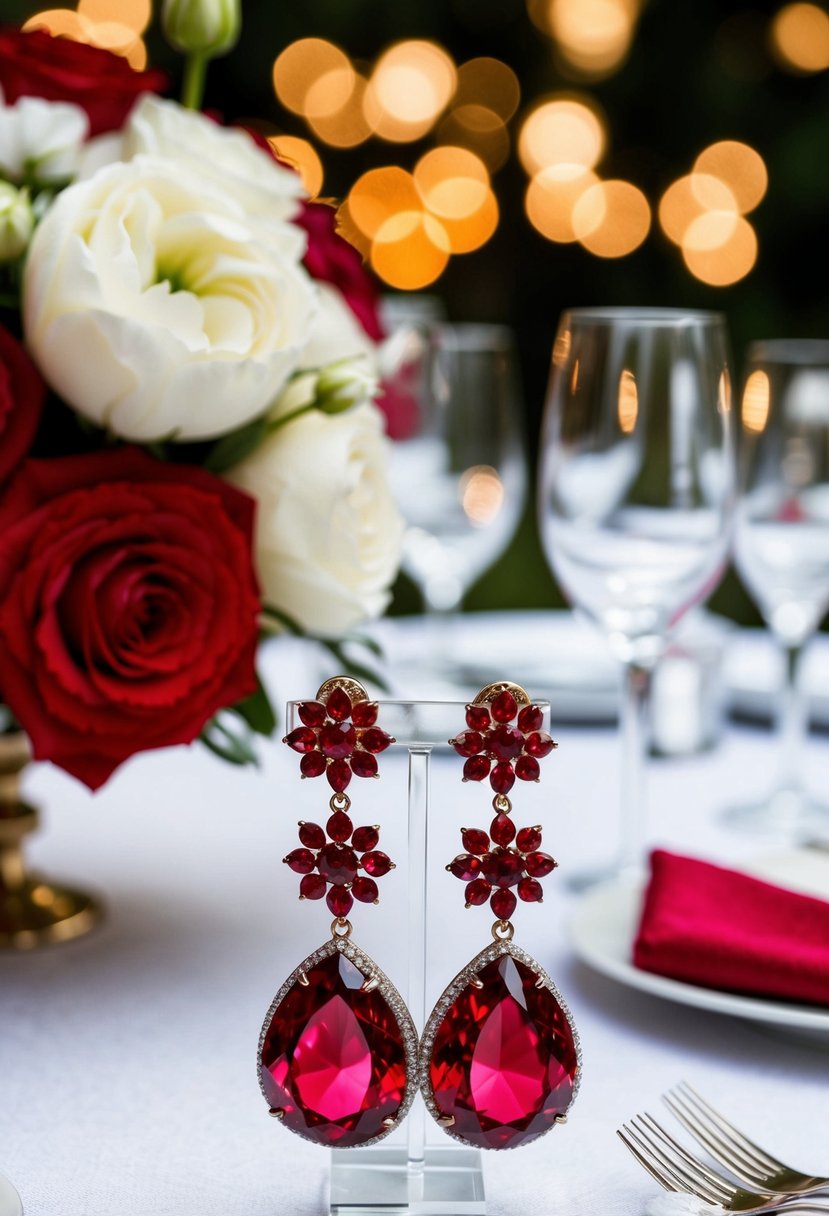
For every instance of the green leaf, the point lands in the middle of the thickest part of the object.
(257, 711)
(281, 618)
(362, 639)
(234, 447)
(351, 667)
(227, 744)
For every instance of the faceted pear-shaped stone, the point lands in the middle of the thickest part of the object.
(504, 1059)
(333, 1058)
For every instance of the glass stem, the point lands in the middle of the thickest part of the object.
(791, 724)
(635, 724)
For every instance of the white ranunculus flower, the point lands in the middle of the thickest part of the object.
(40, 140)
(328, 532)
(156, 308)
(336, 333)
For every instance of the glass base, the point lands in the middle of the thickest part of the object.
(377, 1181)
(789, 816)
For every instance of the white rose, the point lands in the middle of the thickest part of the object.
(40, 140)
(328, 532)
(336, 332)
(156, 308)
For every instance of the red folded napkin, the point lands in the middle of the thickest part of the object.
(722, 929)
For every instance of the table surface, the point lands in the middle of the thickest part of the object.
(127, 1060)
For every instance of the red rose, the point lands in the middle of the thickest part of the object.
(21, 400)
(34, 64)
(128, 605)
(331, 259)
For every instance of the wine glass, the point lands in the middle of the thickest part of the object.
(782, 543)
(636, 490)
(457, 465)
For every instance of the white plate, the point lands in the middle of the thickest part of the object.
(604, 925)
(10, 1204)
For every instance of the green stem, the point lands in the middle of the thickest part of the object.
(284, 419)
(195, 75)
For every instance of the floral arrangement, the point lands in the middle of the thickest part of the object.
(191, 453)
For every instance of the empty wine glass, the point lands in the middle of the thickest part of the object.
(458, 466)
(782, 543)
(636, 491)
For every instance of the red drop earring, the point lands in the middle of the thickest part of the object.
(500, 1057)
(338, 1051)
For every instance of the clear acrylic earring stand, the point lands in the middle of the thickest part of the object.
(418, 1179)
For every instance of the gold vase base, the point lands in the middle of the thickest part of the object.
(42, 913)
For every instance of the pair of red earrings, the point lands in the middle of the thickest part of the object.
(339, 1057)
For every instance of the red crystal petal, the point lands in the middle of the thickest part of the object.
(504, 1061)
(303, 739)
(477, 717)
(476, 768)
(539, 744)
(503, 868)
(503, 904)
(527, 768)
(311, 835)
(475, 841)
(529, 839)
(478, 891)
(339, 775)
(364, 889)
(311, 713)
(539, 865)
(338, 740)
(465, 866)
(375, 740)
(364, 764)
(333, 1058)
(468, 743)
(504, 707)
(338, 705)
(364, 713)
(340, 901)
(502, 777)
(502, 830)
(339, 826)
(364, 839)
(301, 861)
(529, 889)
(312, 886)
(312, 764)
(337, 864)
(376, 863)
(530, 718)
(505, 742)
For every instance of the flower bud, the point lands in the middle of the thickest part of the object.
(17, 222)
(202, 27)
(344, 384)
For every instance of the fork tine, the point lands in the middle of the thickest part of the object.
(680, 1178)
(694, 1173)
(668, 1183)
(722, 1146)
(763, 1158)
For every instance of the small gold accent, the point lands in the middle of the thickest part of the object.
(370, 983)
(340, 927)
(560, 1119)
(447, 1121)
(487, 695)
(390, 1121)
(354, 688)
(276, 1112)
(339, 801)
(503, 931)
(303, 979)
(501, 804)
(475, 982)
(539, 983)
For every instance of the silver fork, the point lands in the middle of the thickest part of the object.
(728, 1145)
(675, 1169)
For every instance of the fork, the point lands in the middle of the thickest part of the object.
(728, 1145)
(676, 1169)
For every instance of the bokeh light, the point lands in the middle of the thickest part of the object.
(481, 130)
(134, 14)
(592, 36)
(303, 157)
(452, 182)
(481, 493)
(102, 24)
(740, 167)
(347, 126)
(690, 197)
(611, 218)
(410, 250)
(627, 407)
(379, 195)
(552, 196)
(410, 87)
(302, 64)
(756, 402)
(470, 232)
(561, 131)
(800, 37)
(489, 83)
(726, 263)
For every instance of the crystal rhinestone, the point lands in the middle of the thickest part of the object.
(364, 713)
(502, 830)
(301, 861)
(338, 705)
(376, 863)
(465, 866)
(503, 869)
(503, 1063)
(475, 841)
(312, 886)
(528, 840)
(364, 764)
(312, 764)
(530, 719)
(337, 740)
(340, 901)
(339, 775)
(337, 864)
(476, 768)
(333, 1057)
(505, 742)
(477, 717)
(477, 892)
(469, 743)
(502, 777)
(375, 740)
(539, 865)
(311, 835)
(529, 889)
(303, 739)
(538, 744)
(504, 707)
(365, 839)
(339, 826)
(311, 713)
(364, 889)
(527, 768)
(503, 903)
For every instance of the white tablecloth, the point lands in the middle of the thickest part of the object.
(127, 1060)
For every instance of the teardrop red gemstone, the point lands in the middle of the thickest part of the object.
(339, 827)
(504, 1061)
(477, 717)
(502, 777)
(504, 707)
(502, 830)
(468, 743)
(333, 1058)
(339, 775)
(364, 764)
(365, 839)
(364, 713)
(311, 835)
(311, 713)
(476, 768)
(475, 841)
(339, 705)
(530, 718)
(303, 739)
(312, 764)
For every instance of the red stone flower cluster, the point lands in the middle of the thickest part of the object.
(339, 739)
(493, 865)
(501, 751)
(330, 858)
